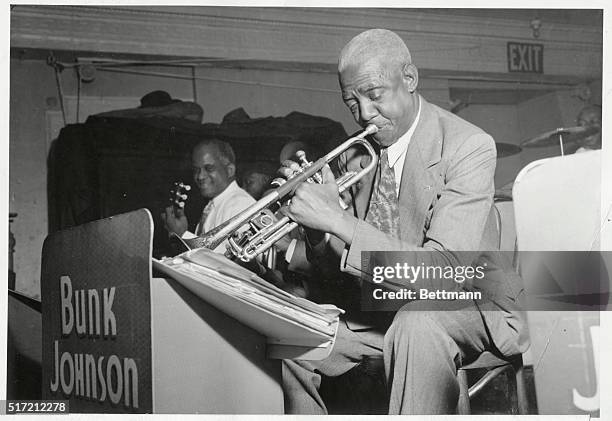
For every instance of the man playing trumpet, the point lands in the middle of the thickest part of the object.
(432, 191)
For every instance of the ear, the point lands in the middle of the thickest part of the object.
(410, 75)
(231, 170)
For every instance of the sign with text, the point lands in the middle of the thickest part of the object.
(96, 311)
(525, 57)
(568, 339)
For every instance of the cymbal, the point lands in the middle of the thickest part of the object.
(506, 149)
(568, 134)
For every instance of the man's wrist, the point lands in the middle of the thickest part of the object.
(344, 227)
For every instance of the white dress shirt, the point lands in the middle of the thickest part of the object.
(230, 202)
(397, 151)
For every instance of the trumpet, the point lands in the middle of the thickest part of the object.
(256, 229)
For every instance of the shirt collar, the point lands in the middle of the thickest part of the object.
(399, 148)
(229, 190)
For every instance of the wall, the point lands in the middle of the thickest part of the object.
(543, 114)
(30, 86)
(516, 123)
(501, 122)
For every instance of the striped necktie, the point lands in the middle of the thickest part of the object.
(383, 212)
(205, 213)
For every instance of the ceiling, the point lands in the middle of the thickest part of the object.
(583, 20)
(562, 16)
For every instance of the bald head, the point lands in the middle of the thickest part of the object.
(381, 45)
(378, 83)
(222, 149)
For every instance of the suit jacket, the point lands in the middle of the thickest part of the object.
(445, 206)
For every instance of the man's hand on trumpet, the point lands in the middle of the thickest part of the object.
(317, 206)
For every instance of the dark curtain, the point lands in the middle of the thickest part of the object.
(112, 165)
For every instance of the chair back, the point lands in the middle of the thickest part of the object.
(558, 208)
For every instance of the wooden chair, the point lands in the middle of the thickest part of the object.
(495, 365)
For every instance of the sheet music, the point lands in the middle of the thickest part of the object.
(202, 268)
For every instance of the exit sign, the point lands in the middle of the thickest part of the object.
(525, 57)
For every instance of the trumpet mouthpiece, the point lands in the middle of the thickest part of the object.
(371, 129)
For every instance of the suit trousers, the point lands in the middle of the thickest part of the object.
(422, 350)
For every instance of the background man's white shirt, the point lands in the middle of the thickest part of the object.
(230, 202)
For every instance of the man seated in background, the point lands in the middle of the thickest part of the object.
(590, 116)
(214, 173)
(256, 178)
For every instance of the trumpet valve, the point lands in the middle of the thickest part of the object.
(317, 178)
(305, 163)
(264, 219)
(301, 155)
